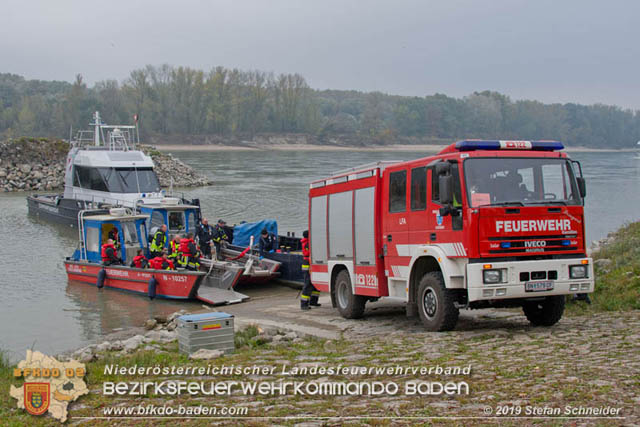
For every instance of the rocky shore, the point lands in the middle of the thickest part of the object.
(37, 164)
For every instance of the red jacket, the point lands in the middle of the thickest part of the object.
(105, 255)
(188, 247)
(305, 250)
(138, 261)
(159, 263)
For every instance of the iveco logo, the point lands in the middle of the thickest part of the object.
(535, 244)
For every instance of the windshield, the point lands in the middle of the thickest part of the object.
(520, 181)
(131, 180)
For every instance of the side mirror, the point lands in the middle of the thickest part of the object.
(445, 183)
(582, 187)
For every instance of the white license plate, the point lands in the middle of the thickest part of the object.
(538, 286)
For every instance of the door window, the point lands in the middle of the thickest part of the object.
(398, 191)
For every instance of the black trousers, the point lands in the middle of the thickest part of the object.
(206, 249)
(309, 292)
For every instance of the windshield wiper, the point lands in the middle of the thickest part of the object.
(510, 203)
(548, 202)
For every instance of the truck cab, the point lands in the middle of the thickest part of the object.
(480, 224)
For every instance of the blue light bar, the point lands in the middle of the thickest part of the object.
(508, 145)
(566, 242)
(505, 245)
(477, 145)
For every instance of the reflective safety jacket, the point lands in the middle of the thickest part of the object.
(173, 249)
(219, 234)
(305, 253)
(158, 241)
(107, 255)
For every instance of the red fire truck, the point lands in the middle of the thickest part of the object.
(481, 224)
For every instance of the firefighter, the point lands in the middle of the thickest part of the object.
(189, 254)
(219, 236)
(162, 262)
(159, 241)
(267, 242)
(113, 235)
(140, 261)
(310, 294)
(109, 254)
(204, 234)
(174, 253)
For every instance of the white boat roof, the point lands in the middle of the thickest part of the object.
(112, 159)
(156, 205)
(108, 217)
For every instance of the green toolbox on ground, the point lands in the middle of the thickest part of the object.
(211, 331)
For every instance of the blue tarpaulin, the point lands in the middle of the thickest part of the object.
(242, 233)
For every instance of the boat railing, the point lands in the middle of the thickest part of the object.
(118, 137)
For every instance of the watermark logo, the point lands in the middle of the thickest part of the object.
(37, 397)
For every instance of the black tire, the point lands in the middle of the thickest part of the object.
(546, 312)
(436, 303)
(349, 305)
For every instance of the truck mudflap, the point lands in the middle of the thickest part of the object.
(528, 279)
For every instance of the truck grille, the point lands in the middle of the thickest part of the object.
(534, 244)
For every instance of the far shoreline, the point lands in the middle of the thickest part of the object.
(433, 148)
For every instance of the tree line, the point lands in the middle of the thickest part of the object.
(231, 103)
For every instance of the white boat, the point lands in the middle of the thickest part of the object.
(104, 169)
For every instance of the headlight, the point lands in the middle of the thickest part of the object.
(578, 271)
(492, 276)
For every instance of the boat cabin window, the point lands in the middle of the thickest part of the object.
(130, 233)
(89, 178)
(143, 232)
(157, 219)
(93, 239)
(176, 221)
(191, 221)
(116, 180)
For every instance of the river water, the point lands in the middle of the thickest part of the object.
(41, 310)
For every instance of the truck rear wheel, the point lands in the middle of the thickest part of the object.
(546, 312)
(349, 305)
(436, 303)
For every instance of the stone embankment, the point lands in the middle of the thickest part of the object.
(37, 164)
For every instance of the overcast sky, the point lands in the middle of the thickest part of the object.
(552, 50)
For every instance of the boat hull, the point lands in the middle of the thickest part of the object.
(63, 211)
(170, 284)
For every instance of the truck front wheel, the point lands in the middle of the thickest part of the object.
(349, 305)
(436, 304)
(546, 312)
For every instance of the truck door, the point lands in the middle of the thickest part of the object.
(446, 230)
(395, 225)
(418, 215)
